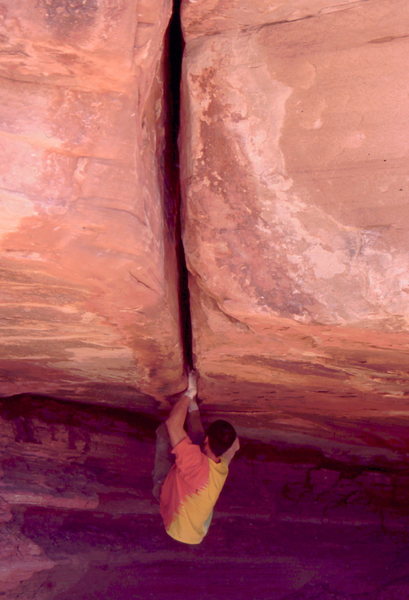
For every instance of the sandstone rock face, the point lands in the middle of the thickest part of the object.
(89, 305)
(294, 171)
(293, 154)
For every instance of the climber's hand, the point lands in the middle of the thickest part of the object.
(191, 391)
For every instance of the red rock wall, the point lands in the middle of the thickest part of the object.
(294, 171)
(89, 302)
(293, 153)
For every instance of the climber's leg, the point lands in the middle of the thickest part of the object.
(163, 459)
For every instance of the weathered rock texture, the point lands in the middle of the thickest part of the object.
(89, 306)
(294, 144)
(294, 171)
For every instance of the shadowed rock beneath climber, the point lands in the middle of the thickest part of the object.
(78, 519)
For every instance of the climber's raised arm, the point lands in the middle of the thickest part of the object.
(176, 420)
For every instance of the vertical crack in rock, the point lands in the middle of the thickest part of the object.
(172, 201)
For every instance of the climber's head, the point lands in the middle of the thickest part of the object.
(220, 436)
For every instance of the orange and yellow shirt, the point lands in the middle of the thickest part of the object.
(190, 491)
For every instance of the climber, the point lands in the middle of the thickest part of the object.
(189, 478)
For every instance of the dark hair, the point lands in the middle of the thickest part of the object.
(221, 435)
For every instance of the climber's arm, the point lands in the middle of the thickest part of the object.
(194, 424)
(176, 420)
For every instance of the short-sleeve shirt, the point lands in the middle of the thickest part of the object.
(190, 491)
